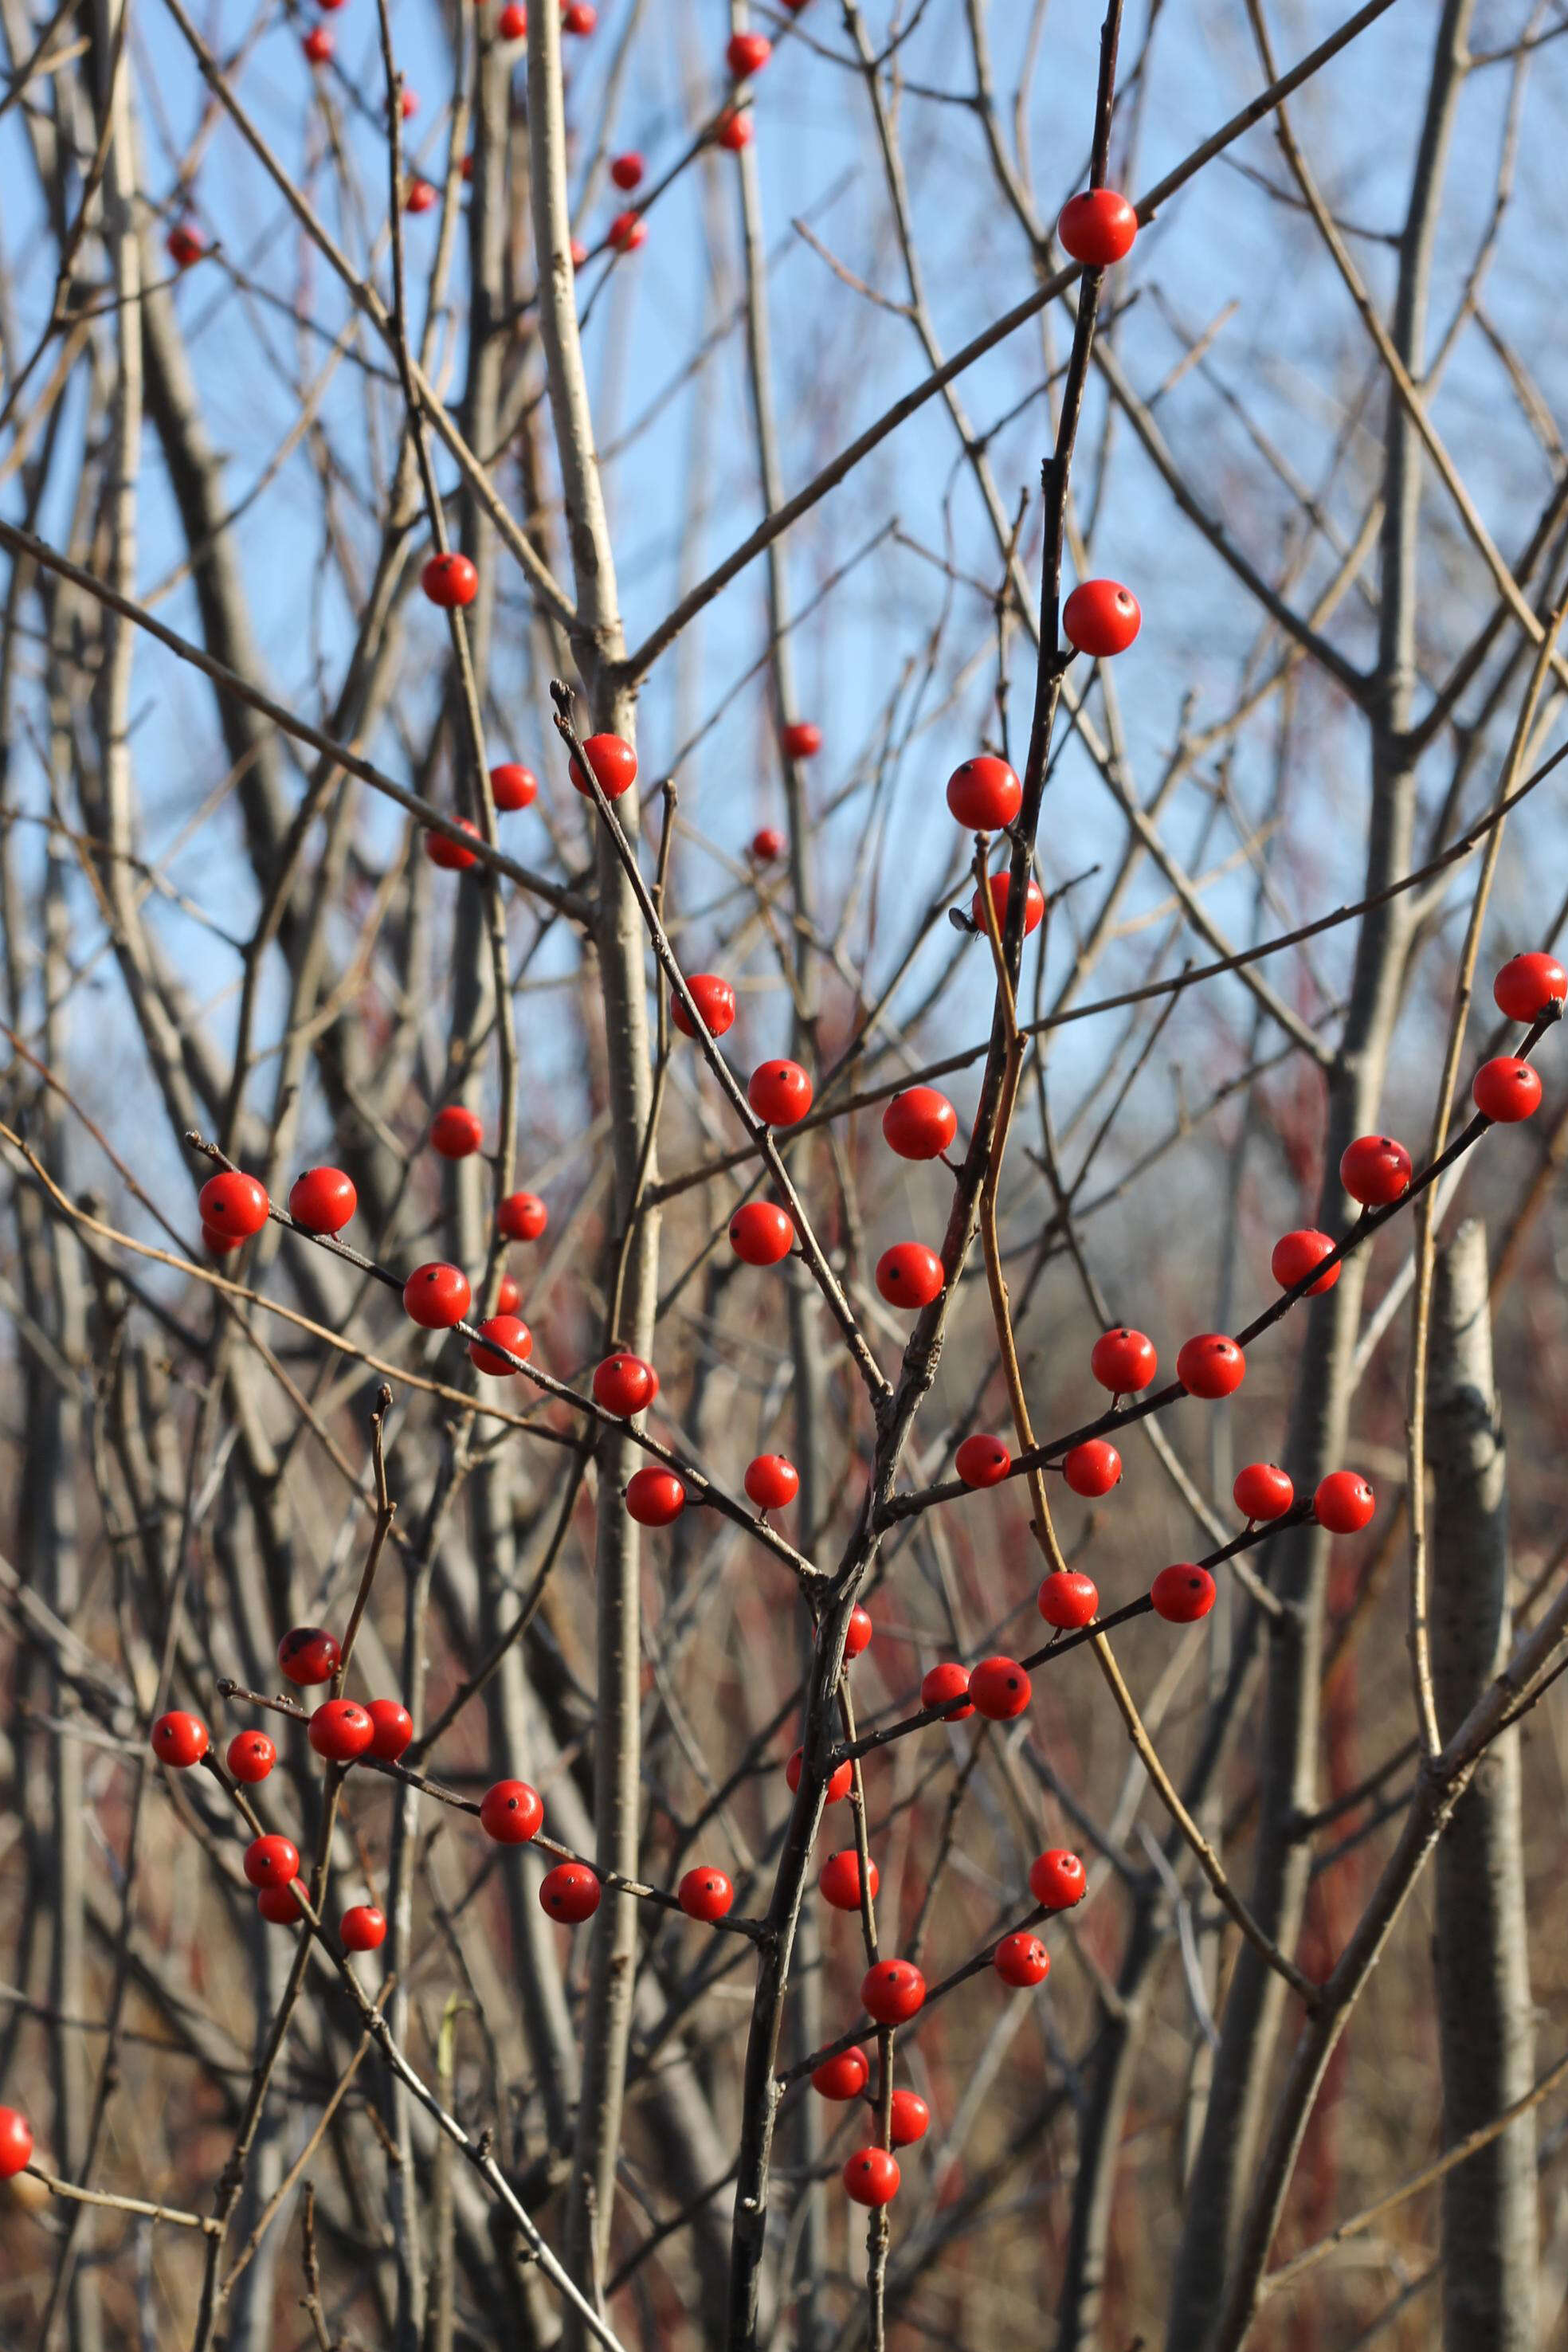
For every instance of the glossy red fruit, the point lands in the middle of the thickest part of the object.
(1001, 885)
(579, 18)
(1097, 228)
(761, 1233)
(944, 1682)
(363, 1928)
(179, 1739)
(624, 1385)
(734, 132)
(1000, 1688)
(513, 786)
(1211, 1366)
(1506, 1090)
(705, 1894)
(16, 2142)
(421, 197)
(318, 45)
(910, 2118)
(220, 1244)
(1263, 1492)
(626, 171)
(627, 231)
(1376, 1170)
(801, 738)
(858, 1633)
(456, 1131)
(250, 1756)
(982, 1460)
(779, 1092)
(1343, 1503)
(271, 1861)
(392, 1729)
(1058, 1879)
(507, 1297)
(278, 1907)
(184, 245)
(839, 1784)
(322, 1200)
(508, 1331)
(309, 1654)
(436, 1295)
(655, 1496)
(714, 999)
(1021, 1959)
(1183, 1593)
(839, 1880)
(612, 761)
(1530, 985)
(451, 581)
(842, 2076)
(408, 105)
(570, 1892)
(748, 53)
(767, 844)
(1100, 618)
(908, 1274)
(920, 1123)
(1092, 1468)
(341, 1730)
(871, 2176)
(1295, 1254)
(512, 1812)
(233, 1203)
(441, 850)
(522, 1216)
(1067, 1599)
(772, 1481)
(1123, 1360)
(892, 1992)
(512, 23)
(983, 793)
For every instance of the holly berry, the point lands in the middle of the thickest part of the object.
(910, 2118)
(801, 738)
(16, 2142)
(767, 844)
(920, 1123)
(1100, 618)
(233, 1203)
(734, 133)
(705, 1894)
(747, 54)
(522, 1216)
(513, 786)
(436, 1295)
(317, 46)
(1097, 228)
(1506, 1090)
(1530, 985)
(1058, 1879)
(1000, 886)
(1263, 1492)
(839, 1880)
(655, 1497)
(512, 23)
(363, 1928)
(408, 105)
(579, 17)
(1211, 1366)
(1092, 1468)
(1376, 1170)
(1067, 1599)
(220, 1244)
(772, 1481)
(761, 1233)
(505, 1332)
(838, 1785)
(1295, 1254)
(626, 171)
(627, 231)
(1183, 1593)
(1123, 1360)
(714, 999)
(309, 1654)
(624, 1384)
(892, 1992)
(451, 581)
(1343, 1503)
(570, 1892)
(908, 1274)
(393, 1728)
(250, 1756)
(179, 1739)
(507, 1297)
(420, 198)
(456, 1131)
(1000, 1688)
(322, 1200)
(780, 1093)
(341, 1730)
(983, 793)
(512, 1812)
(441, 850)
(982, 1460)
(611, 760)
(859, 1632)
(271, 1861)
(871, 2176)
(278, 1907)
(1021, 1959)
(944, 1682)
(184, 245)
(842, 2076)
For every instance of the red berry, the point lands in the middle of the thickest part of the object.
(1343, 1503)
(184, 245)
(920, 1123)
(363, 1928)
(467, 165)
(1506, 1090)
(251, 1755)
(748, 53)
(507, 1297)
(1097, 228)
(1263, 1492)
(714, 999)
(1183, 1593)
(277, 1905)
(910, 2118)
(1211, 1366)
(1000, 1688)
(579, 17)
(1376, 1170)
(513, 786)
(441, 850)
(1294, 1256)
(760, 1233)
(626, 171)
(842, 2076)
(624, 1384)
(570, 1892)
(839, 1880)
(908, 1274)
(734, 133)
(1021, 1959)
(309, 1654)
(512, 1812)
(627, 231)
(408, 105)
(322, 1200)
(503, 1331)
(512, 23)
(233, 1204)
(456, 1131)
(772, 1481)
(1123, 1360)
(271, 1861)
(521, 1217)
(341, 1729)
(179, 1739)
(220, 1244)
(392, 1729)
(983, 793)
(767, 842)
(655, 1497)
(801, 738)
(613, 762)
(16, 2142)
(1001, 884)
(435, 1297)
(982, 1461)
(317, 46)
(1092, 1468)
(705, 1894)
(1530, 985)
(859, 1632)
(838, 1785)
(1058, 1879)
(420, 198)
(892, 1992)
(944, 1682)
(1100, 618)
(780, 1093)
(449, 580)
(1067, 1599)
(871, 2176)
